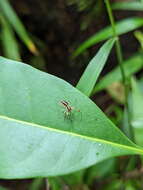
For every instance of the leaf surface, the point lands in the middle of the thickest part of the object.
(36, 139)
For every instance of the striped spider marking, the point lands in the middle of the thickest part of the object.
(68, 109)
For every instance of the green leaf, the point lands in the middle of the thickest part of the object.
(122, 27)
(100, 170)
(130, 185)
(55, 183)
(132, 65)
(13, 19)
(93, 70)
(10, 46)
(125, 124)
(37, 138)
(132, 6)
(139, 36)
(115, 184)
(137, 112)
(140, 83)
(3, 188)
(75, 178)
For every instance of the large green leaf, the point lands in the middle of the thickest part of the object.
(93, 70)
(132, 65)
(132, 5)
(122, 27)
(38, 139)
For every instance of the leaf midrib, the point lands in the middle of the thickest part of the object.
(73, 134)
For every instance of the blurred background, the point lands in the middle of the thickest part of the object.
(45, 35)
(57, 28)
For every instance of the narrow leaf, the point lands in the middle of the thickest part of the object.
(126, 125)
(137, 112)
(140, 83)
(139, 35)
(93, 70)
(10, 46)
(38, 138)
(122, 27)
(13, 19)
(132, 65)
(132, 6)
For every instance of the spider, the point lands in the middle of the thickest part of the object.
(68, 108)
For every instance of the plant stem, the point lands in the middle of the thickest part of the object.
(118, 46)
(120, 60)
(47, 184)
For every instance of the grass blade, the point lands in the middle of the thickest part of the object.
(132, 6)
(10, 46)
(13, 19)
(122, 27)
(137, 112)
(93, 70)
(131, 66)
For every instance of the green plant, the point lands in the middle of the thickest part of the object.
(41, 121)
(40, 125)
(39, 140)
(9, 24)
